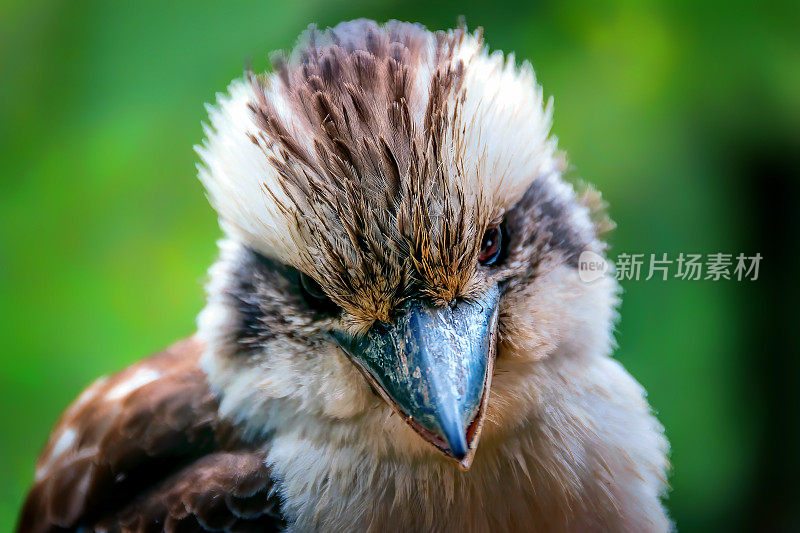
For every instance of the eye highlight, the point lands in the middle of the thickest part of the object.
(491, 245)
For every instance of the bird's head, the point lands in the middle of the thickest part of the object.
(395, 222)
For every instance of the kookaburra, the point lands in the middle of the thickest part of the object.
(396, 335)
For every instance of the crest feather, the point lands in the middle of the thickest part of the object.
(376, 158)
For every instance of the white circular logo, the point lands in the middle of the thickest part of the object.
(591, 266)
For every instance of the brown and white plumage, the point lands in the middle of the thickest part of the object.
(146, 446)
(372, 164)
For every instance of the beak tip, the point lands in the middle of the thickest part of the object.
(458, 454)
(457, 442)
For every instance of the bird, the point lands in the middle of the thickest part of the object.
(396, 335)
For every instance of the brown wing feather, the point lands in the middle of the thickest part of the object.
(226, 491)
(143, 430)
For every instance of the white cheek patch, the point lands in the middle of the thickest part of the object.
(139, 379)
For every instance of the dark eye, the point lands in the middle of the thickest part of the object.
(491, 246)
(315, 296)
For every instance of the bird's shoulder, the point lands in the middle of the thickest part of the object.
(145, 448)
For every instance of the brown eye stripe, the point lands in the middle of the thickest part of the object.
(542, 217)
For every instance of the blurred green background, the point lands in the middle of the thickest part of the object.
(685, 115)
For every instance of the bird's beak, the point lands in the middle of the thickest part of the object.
(434, 367)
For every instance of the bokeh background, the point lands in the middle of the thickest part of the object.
(686, 115)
